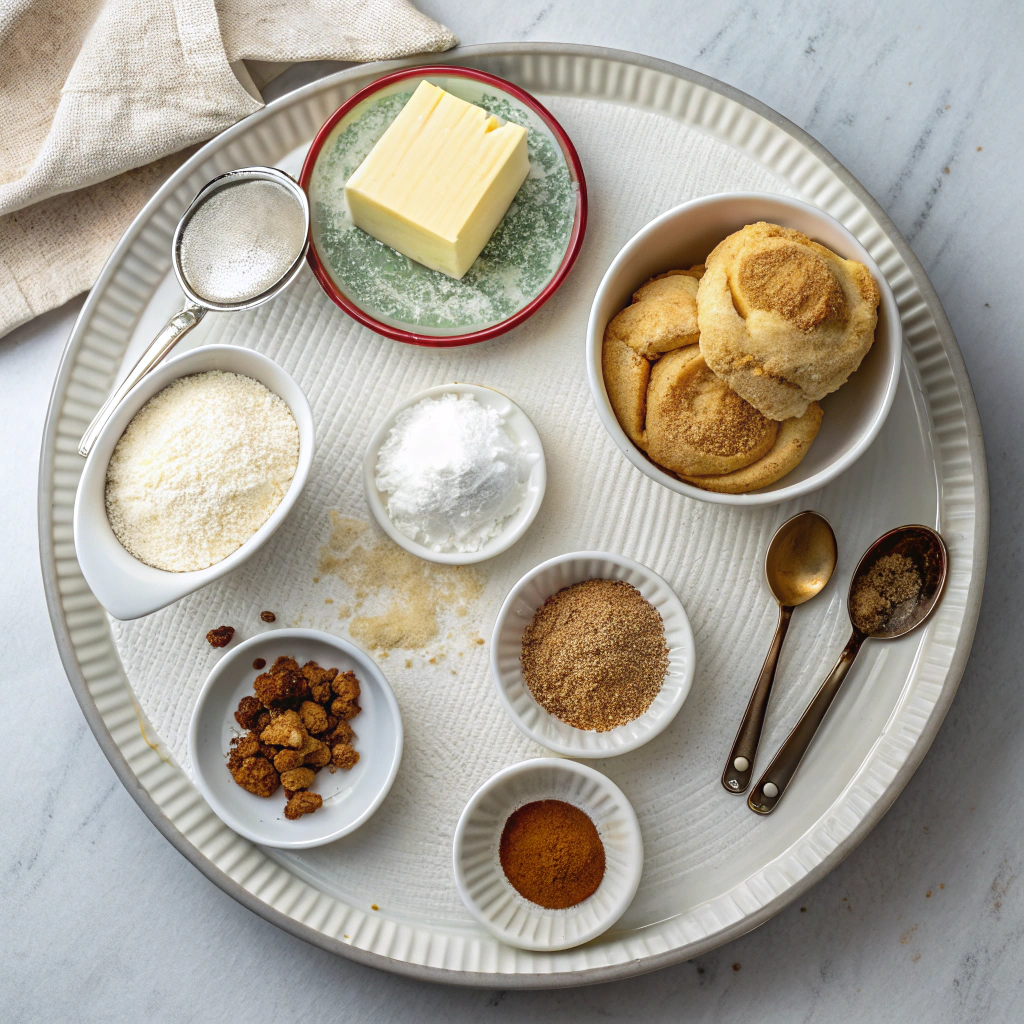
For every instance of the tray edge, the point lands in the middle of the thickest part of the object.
(595, 975)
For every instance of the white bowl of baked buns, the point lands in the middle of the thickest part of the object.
(744, 349)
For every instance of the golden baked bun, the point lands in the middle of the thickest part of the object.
(794, 438)
(783, 320)
(663, 315)
(696, 425)
(626, 375)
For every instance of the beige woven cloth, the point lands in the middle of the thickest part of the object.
(101, 99)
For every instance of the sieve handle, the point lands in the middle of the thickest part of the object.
(177, 327)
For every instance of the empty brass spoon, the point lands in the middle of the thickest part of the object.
(894, 589)
(800, 561)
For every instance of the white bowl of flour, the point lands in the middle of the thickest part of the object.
(127, 586)
(455, 474)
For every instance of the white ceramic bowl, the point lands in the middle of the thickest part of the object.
(350, 797)
(520, 428)
(486, 891)
(686, 235)
(516, 614)
(126, 587)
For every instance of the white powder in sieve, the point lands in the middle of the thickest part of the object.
(242, 240)
(452, 473)
(200, 469)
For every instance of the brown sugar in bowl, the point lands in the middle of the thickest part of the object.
(517, 613)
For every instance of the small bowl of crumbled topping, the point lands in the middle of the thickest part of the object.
(592, 654)
(301, 750)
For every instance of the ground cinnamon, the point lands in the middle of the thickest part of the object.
(551, 854)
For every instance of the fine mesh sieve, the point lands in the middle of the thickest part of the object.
(241, 241)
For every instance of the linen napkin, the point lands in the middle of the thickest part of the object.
(101, 99)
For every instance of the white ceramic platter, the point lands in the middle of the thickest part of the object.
(650, 135)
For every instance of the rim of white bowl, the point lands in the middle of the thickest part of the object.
(220, 670)
(595, 338)
(645, 727)
(523, 519)
(632, 844)
(166, 587)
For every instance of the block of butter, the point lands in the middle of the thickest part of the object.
(439, 180)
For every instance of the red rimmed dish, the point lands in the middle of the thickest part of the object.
(520, 268)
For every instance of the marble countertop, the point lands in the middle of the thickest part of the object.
(104, 920)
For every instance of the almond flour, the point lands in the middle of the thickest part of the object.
(201, 467)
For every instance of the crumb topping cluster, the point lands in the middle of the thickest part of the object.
(296, 723)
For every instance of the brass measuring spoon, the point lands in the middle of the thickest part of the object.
(799, 563)
(872, 616)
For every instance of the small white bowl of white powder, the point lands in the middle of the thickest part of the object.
(192, 474)
(455, 474)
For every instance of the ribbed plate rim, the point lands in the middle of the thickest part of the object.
(135, 786)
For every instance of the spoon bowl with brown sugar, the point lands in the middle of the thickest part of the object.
(800, 561)
(895, 587)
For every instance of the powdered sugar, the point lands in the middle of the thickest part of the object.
(200, 469)
(452, 473)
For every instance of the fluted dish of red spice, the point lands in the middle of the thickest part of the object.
(547, 854)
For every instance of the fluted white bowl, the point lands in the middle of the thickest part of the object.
(350, 797)
(488, 894)
(519, 427)
(516, 614)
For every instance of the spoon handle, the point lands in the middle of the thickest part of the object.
(744, 747)
(780, 772)
(177, 327)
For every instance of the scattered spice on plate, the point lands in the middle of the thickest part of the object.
(413, 596)
(221, 636)
(551, 854)
(886, 594)
(296, 724)
(259, 663)
(268, 616)
(594, 655)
